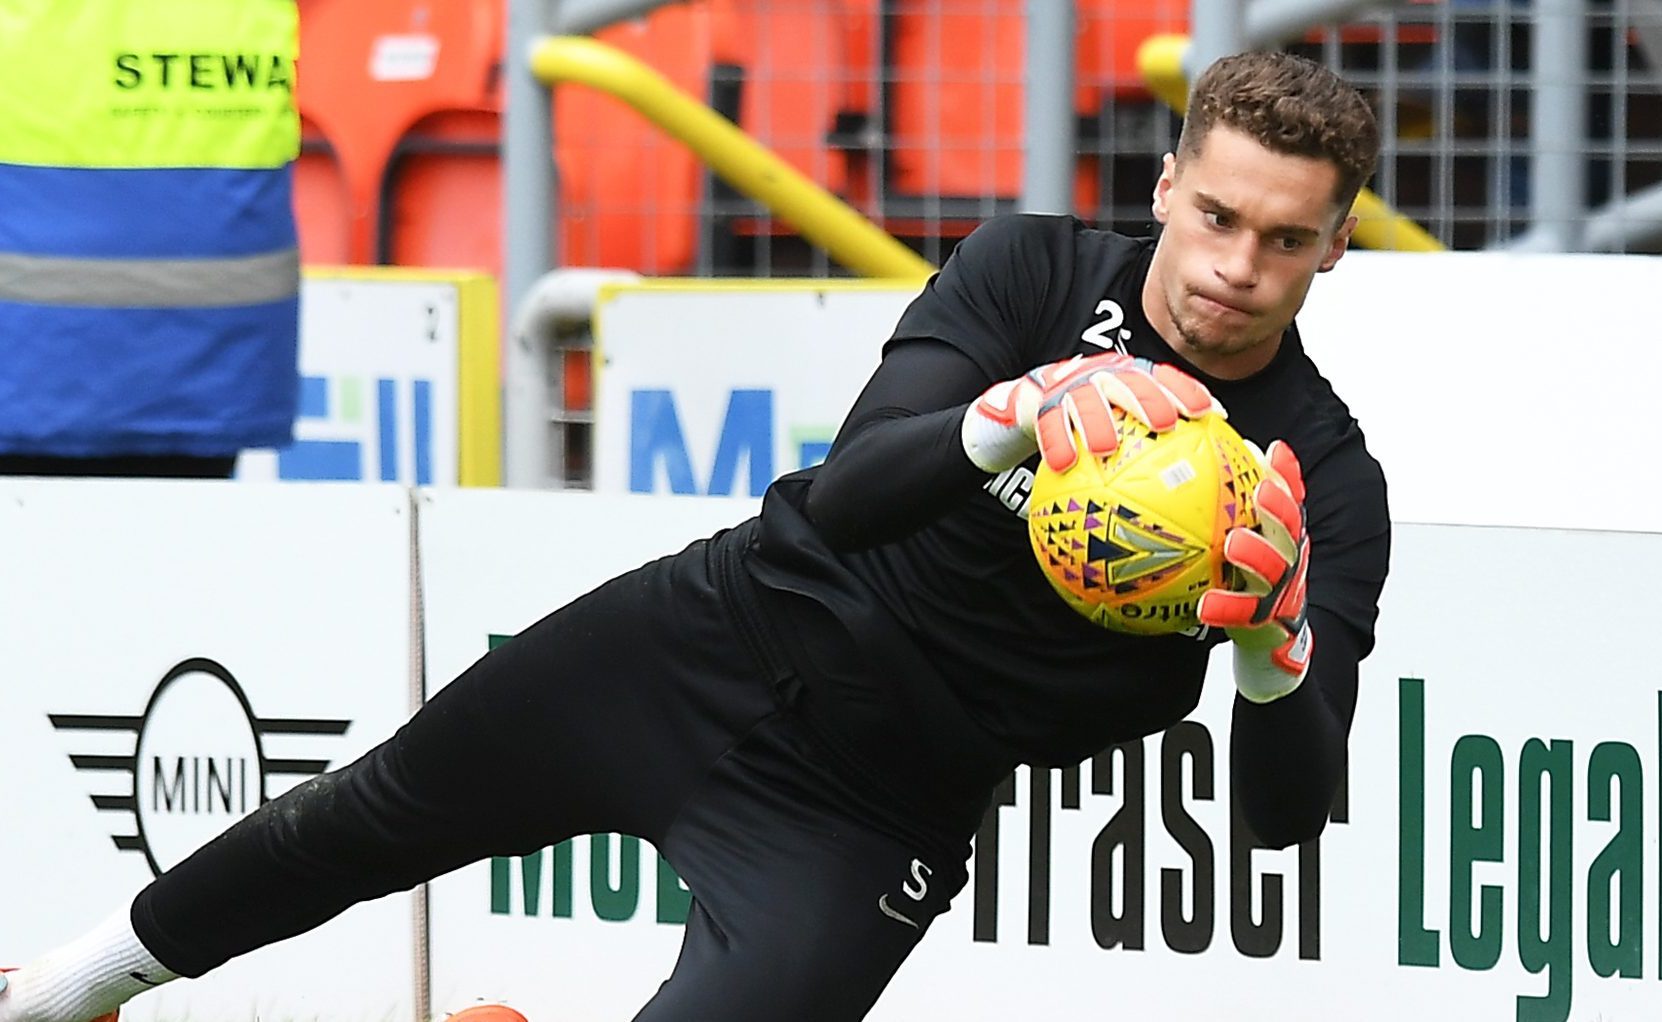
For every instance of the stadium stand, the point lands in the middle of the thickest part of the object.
(401, 102)
(322, 205)
(955, 103)
(910, 110)
(370, 70)
(629, 195)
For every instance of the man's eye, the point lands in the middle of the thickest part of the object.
(1289, 244)
(1216, 219)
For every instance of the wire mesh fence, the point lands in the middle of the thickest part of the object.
(1454, 85)
(911, 111)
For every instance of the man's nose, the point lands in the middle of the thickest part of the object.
(1237, 265)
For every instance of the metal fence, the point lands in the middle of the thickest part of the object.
(1473, 148)
(1504, 124)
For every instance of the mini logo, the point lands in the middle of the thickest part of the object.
(194, 761)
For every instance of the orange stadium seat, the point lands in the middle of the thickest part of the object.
(444, 193)
(371, 69)
(629, 193)
(402, 100)
(778, 70)
(322, 206)
(789, 53)
(860, 25)
(1110, 33)
(957, 117)
(956, 99)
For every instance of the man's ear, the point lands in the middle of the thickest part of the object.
(1162, 190)
(1341, 245)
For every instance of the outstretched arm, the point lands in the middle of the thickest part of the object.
(898, 462)
(957, 396)
(913, 444)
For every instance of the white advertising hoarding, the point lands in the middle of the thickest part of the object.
(1493, 858)
(398, 374)
(170, 654)
(713, 388)
(1498, 389)
(492, 563)
(1487, 404)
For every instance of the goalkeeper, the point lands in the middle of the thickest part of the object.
(808, 713)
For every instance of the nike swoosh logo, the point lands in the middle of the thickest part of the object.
(883, 906)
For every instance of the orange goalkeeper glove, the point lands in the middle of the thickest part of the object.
(1044, 409)
(1267, 617)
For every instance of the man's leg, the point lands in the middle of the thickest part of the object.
(600, 717)
(802, 911)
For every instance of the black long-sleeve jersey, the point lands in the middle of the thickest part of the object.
(963, 661)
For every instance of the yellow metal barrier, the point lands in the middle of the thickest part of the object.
(1378, 226)
(821, 217)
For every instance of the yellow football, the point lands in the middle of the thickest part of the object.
(1131, 540)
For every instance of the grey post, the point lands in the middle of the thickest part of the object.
(1271, 22)
(527, 164)
(1558, 123)
(1048, 159)
(530, 226)
(528, 232)
(1632, 223)
(1217, 28)
(579, 17)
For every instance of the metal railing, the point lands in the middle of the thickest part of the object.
(1531, 125)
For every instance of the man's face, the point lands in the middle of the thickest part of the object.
(1246, 230)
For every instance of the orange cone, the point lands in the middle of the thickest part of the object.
(487, 1013)
(115, 1015)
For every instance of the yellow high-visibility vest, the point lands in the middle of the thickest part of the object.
(176, 83)
(149, 267)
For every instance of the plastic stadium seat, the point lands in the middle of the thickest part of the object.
(959, 67)
(443, 194)
(956, 103)
(861, 29)
(955, 114)
(780, 73)
(371, 69)
(787, 56)
(1111, 31)
(403, 100)
(629, 193)
(321, 204)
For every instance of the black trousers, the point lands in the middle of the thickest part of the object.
(635, 709)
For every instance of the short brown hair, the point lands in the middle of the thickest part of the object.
(1289, 105)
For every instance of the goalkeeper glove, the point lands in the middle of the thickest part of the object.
(1266, 617)
(1045, 408)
